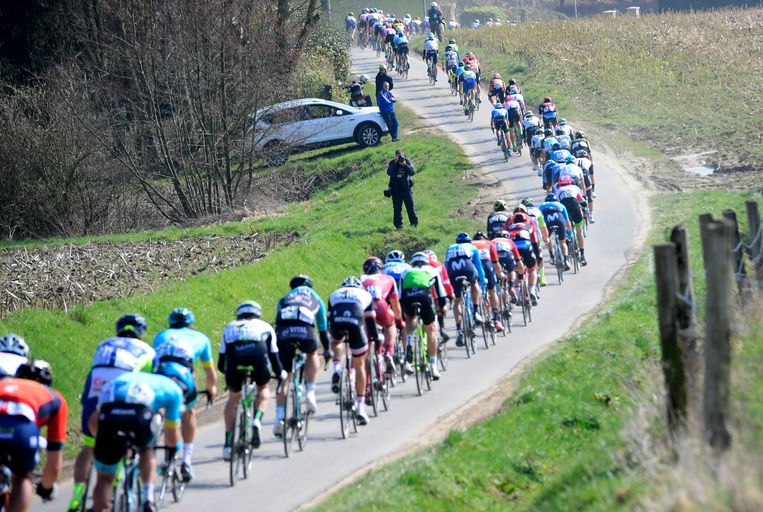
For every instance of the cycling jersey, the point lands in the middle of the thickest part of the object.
(302, 304)
(559, 155)
(463, 260)
(495, 223)
(525, 239)
(451, 59)
(400, 40)
(508, 255)
(349, 309)
(440, 268)
(382, 287)
(576, 173)
(417, 283)
(536, 144)
(519, 99)
(10, 362)
(499, 115)
(580, 145)
(350, 22)
(38, 404)
(149, 389)
(530, 123)
(567, 129)
(183, 344)
(547, 110)
(422, 277)
(469, 79)
(564, 141)
(534, 212)
(431, 45)
(548, 143)
(248, 342)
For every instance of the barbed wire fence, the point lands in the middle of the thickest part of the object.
(691, 360)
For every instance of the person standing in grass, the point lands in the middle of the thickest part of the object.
(386, 101)
(400, 171)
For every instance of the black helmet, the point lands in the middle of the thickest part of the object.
(479, 235)
(36, 370)
(300, 280)
(132, 325)
(372, 265)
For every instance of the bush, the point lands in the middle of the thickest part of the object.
(481, 13)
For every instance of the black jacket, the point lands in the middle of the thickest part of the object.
(400, 175)
(380, 79)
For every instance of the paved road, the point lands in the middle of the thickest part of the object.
(284, 484)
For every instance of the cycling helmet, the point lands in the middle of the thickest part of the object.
(396, 256)
(351, 14)
(497, 104)
(248, 308)
(547, 99)
(502, 234)
(579, 135)
(512, 81)
(382, 67)
(463, 238)
(131, 324)
(570, 159)
(513, 90)
(431, 254)
(499, 205)
(520, 208)
(300, 280)
(430, 37)
(448, 48)
(559, 131)
(551, 198)
(555, 146)
(434, 4)
(419, 259)
(372, 265)
(528, 115)
(14, 344)
(467, 67)
(528, 202)
(562, 122)
(565, 180)
(468, 54)
(547, 132)
(479, 235)
(364, 79)
(351, 282)
(180, 317)
(581, 153)
(36, 370)
(451, 41)
(461, 64)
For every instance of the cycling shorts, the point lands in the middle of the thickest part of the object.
(348, 321)
(461, 267)
(528, 256)
(402, 49)
(182, 375)
(390, 38)
(514, 117)
(487, 266)
(573, 209)
(507, 261)
(19, 443)
(558, 226)
(536, 152)
(548, 121)
(431, 54)
(421, 297)
(501, 125)
(134, 420)
(289, 336)
(246, 353)
(469, 84)
(385, 317)
(96, 380)
(499, 93)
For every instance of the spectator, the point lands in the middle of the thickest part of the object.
(381, 78)
(386, 101)
(400, 171)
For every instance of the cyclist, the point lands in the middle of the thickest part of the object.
(128, 414)
(586, 165)
(574, 171)
(27, 402)
(515, 118)
(468, 85)
(566, 128)
(452, 43)
(451, 60)
(418, 281)
(536, 150)
(540, 229)
(571, 197)
(493, 273)
(384, 291)
(499, 124)
(471, 60)
(300, 312)
(510, 260)
(177, 349)
(558, 153)
(547, 112)
(14, 352)
(431, 48)
(350, 24)
(395, 265)
(547, 144)
(248, 341)
(580, 143)
(400, 44)
(497, 219)
(126, 352)
(522, 231)
(563, 139)
(442, 302)
(513, 92)
(530, 125)
(457, 74)
(497, 88)
(513, 83)
(557, 221)
(463, 259)
(350, 307)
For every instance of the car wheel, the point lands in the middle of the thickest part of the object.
(276, 153)
(368, 135)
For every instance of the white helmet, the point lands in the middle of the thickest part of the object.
(14, 344)
(364, 79)
(434, 4)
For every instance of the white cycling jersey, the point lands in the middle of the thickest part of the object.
(248, 330)
(431, 45)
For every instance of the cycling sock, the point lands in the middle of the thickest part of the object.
(258, 415)
(441, 320)
(187, 453)
(310, 386)
(432, 360)
(496, 315)
(458, 327)
(77, 493)
(337, 367)
(280, 412)
(228, 438)
(359, 403)
(148, 492)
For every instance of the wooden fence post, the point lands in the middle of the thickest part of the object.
(687, 320)
(716, 251)
(740, 272)
(666, 275)
(756, 238)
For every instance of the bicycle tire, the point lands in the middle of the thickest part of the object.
(442, 355)
(371, 382)
(465, 327)
(400, 358)
(524, 300)
(246, 447)
(425, 361)
(289, 423)
(385, 380)
(575, 254)
(234, 459)
(559, 259)
(485, 324)
(303, 430)
(417, 370)
(161, 492)
(344, 420)
(178, 486)
(351, 393)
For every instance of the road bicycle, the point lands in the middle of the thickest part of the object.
(402, 65)
(524, 298)
(467, 317)
(378, 379)
(297, 420)
(171, 480)
(453, 81)
(504, 145)
(431, 71)
(518, 139)
(488, 326)
(558, 254)
(390, 55)
(574, 247)
(505, 304)
(470, 106)
(419, 343)
(346, 397)
(129, 493)
(242, 453)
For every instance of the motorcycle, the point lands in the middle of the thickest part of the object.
(357, 97)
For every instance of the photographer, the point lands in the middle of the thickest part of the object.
(400, 171)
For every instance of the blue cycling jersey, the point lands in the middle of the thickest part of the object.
(560, 155)
(185, 343)
(400, 40)
(303, 304)
(149, 389)
(499, 114)
(553, 210)
(396, 269)
(466, 250)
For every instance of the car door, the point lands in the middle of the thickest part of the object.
(285, 124)
(331, 124)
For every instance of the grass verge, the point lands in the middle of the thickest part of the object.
(558, 443)
(340, 227)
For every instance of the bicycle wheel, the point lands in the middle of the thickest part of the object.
(344, 410)
(466, 328)
(485, 327)
(425, 360)
(442, 355)
(235, 461)
(575, 254)
(245, 437)
(399, 358)
(417, 369)
(384, 380)
(352, 396)
(304, 425)
(471, 110)
(371, 383)
(559, 260)
(290, 421)
(524, 299)
(178, 485)
(161, 492)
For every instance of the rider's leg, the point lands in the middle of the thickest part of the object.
(230, 410)
(101, 494)
(147, 469)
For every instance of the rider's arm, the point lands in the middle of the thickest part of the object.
(370, 317)
(56, 435)
(475, 257)
(269, 338)
(221, 356)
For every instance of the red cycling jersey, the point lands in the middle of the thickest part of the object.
(382, 288)
(487, 250)
(43, 405)
(506, 245)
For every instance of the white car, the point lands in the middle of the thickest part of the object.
(306, 123)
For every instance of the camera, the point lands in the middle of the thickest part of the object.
(387, 192)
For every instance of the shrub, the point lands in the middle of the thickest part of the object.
(481, 13)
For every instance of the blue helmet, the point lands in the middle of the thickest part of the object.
(551, 198)
(556, 146)
(463, 238)
(570, 159)
(181, 317)
(131, 324)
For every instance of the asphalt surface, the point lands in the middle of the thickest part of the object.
(278, 483)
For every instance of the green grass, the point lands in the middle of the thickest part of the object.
(683, 81)
(340, 227)
(557, 444)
